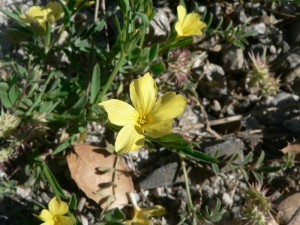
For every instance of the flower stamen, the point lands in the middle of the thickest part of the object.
(142, 120)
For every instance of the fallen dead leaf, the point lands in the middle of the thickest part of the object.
(83, 164)
(292, 148)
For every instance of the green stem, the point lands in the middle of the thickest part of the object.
(115, 180)
(187, 186)
(53, 184)
(112, 76)
(38, 100)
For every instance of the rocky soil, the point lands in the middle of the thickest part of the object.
(230, 116)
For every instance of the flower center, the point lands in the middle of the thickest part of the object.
(142, 120)
(56, 220)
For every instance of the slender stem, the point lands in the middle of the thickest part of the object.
(112, 76)
(38, 100)
(50, 177)
(187, 186)
(115, 180)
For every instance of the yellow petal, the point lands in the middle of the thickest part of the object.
(158, 129)
(181, 13)
(119, 112)
(156, 210)
(130, 138)
(143, 93)
(178, 29)
(26, 19)
(192, 25)
(141, 219)
(167, 107)
(46, 215)
(65, 220)
(48, 223)
(57, 207)
(56, 9)
(38, 11)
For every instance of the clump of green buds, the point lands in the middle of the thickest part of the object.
(8, 123)
(30, 129)
(258, 206)
(5, 154)
(261, 77)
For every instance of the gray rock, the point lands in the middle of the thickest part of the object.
(240, 16)
(282, 99)
(292, 125)
(288, 9)
(159, 27)
(294, 32)
(162, 176)
(226, 199)
(233, 59)
(260, 29)
(226, 149)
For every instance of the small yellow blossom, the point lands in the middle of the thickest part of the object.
(78, 2)
(36, 14)
(188, 24)
(150, 116)
(141, 215)
(56, 12)
(54, 216)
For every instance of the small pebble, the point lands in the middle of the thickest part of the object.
(226, 199)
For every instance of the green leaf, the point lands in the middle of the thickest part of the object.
(260, 160)
(73, 202)
(245, 174)
(95, 85)
(5, 100)
(22, 71)
(215, 168)
(149, 145)
(247, 159)
(153, 52)
(116, 214)
(11, 15)
(199, 156)
(82, 44)
(170, 137)
(3, 87)
(144, 18)
(232, 167)
(272, 169)
(65, 144)
(234, 157)
(258, 177)
(157, 68)
(31, 74)
(14, 94)
(67, 15)
(124, 6)
(53, 182)
(44, 107)
(80, 104)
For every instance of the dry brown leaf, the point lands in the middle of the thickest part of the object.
(83, 166)
(292, 148)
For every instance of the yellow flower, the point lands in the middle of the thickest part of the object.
(54, 216)
(78, 2)
(188, 24)
(56, 11)
(141, 215)
(150, 116)
(36, 14)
